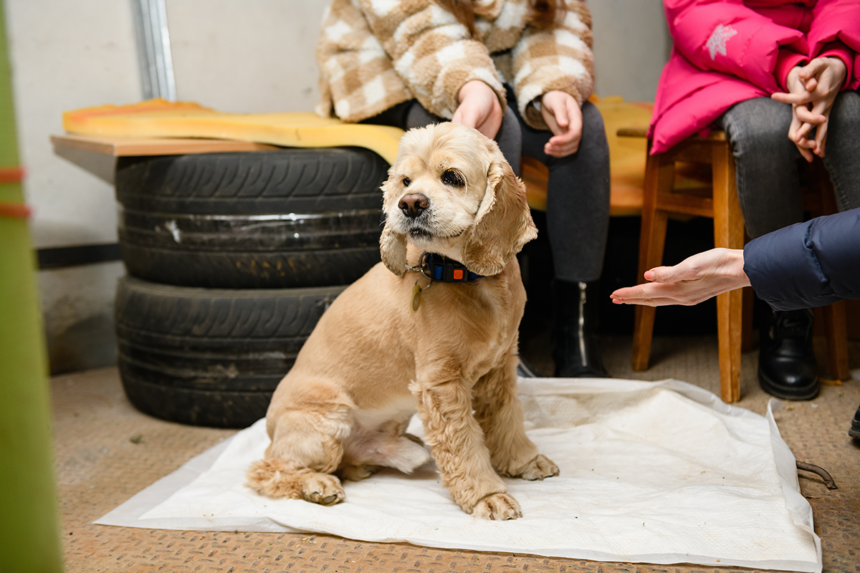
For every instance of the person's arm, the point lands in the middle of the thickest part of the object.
(845, 55)
(479, 108)
(345, 52)
(432, 52)
(829, 71)
(835, 32)
(559, 59)
(726, 36)
(801, 266)
(808, 264)
(812, 86)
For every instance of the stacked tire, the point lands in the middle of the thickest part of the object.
(232, 258)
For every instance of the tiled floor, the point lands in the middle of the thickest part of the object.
(107, 451)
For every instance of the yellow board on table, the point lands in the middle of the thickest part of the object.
(160, 118)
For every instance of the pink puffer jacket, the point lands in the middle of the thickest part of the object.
(728, 51)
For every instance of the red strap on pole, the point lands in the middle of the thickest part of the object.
(11, 174)
(14, 210)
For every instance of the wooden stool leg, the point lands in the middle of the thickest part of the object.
(728, 233)
(837, 339)
(748, 343)
(643, 331)
(659, 176)
(835, 325)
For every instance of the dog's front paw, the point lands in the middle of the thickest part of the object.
(324, 489)
(539, 468)
(498, 507)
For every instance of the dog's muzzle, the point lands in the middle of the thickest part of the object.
(415, 208)
(414, 205)
(420, 233)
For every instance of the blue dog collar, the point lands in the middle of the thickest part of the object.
(438, 268)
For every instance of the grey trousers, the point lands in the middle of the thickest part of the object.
(766, 160)
(577, 210)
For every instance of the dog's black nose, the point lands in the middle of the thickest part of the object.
(413, 204)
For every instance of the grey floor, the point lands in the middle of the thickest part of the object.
(106, 452)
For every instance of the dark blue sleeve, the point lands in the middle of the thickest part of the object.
(808, 264)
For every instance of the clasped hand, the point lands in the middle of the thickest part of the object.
(480, 109)
(812, 89)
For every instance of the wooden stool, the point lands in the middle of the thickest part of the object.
(718, 201)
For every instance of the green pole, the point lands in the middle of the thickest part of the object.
(29, 524)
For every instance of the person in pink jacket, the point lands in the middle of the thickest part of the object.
(781, 78)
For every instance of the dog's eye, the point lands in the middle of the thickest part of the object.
(406, 181)
(453, 178)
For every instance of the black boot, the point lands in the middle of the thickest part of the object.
(526, 370)
(854, 432)
(786, 362)
(574, 331)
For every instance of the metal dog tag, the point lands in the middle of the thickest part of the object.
(416, 297)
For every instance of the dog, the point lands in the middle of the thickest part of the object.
(395, 342)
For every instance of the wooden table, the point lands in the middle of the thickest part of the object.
(97, 154)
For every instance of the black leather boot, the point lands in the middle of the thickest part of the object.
(574, 331)
(786, 362)
(526, 370)
(854, 432)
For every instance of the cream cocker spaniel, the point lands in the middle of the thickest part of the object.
(394, 342)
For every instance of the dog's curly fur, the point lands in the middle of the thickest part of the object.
(372, 362)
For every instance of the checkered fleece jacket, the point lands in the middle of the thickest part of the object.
(374, 54)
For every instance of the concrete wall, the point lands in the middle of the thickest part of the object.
(246, 55)
(631, 45)
(258, 55)
(67, 55)
(233, 55)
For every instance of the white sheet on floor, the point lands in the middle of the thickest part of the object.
(650, 472)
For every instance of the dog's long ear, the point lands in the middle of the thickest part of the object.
(503, 223)
(392, 246)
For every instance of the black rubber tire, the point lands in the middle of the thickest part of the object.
(274, 219)
(210, 357)
(250, 251)
(282, 181)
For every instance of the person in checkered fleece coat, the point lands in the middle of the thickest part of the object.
(519, 71)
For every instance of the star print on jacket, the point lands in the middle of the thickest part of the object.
(717, 41)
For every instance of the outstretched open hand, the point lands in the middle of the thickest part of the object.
(690, 282)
